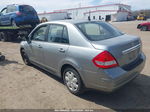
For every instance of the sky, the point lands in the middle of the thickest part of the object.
(51, 5)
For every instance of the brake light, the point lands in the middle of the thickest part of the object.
(18, 13)
(105, 60)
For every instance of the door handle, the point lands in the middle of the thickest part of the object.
(61, 50)
(39, 46)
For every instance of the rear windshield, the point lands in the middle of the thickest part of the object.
(96, 31)
(26, 8)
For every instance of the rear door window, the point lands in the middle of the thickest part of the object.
(58, 34)
(26, 9)
(4, 11)
(11, 8)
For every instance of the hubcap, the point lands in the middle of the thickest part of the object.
(71, 81)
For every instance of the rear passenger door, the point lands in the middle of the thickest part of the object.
(56, 47)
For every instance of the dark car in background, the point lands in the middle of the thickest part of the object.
(16, 15)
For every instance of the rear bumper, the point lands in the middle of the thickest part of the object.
(108, 80)
(25, 21)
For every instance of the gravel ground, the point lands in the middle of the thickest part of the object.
(29, 87)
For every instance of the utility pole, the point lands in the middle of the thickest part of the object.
(89, 17)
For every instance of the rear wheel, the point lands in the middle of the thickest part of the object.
(73, 81)
(25, 57)
(144, 28)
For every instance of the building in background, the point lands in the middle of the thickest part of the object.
(51, 16)
(111, 12)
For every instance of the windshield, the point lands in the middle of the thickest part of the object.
(27, 9)
(96, 31)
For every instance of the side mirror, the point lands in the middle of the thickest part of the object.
(28, 38)
(25, 37)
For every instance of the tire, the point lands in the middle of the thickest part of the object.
(139, 26)
(73, 81)
(13, 23)
(0, 36)
(144, 28)
(2, 58)
(25, 57)
(3, 37)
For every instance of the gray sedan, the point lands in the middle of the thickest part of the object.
(85, 54)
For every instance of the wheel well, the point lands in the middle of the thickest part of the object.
(21, 50)
(139, 26)
(11, 20)
(63, 68)
(68, 65)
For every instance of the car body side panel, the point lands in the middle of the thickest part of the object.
(37, 48)
(148, 27)
(53, 54)
(117, 77)
(83, 60)
(11, 16)
(33, 52)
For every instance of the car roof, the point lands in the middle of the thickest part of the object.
(78, 21)
(18, 5)
(74, 21)
(71, 21)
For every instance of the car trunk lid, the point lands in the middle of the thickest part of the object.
(124, 48)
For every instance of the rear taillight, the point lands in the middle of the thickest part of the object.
(18, 13)
(105, 60)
